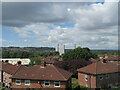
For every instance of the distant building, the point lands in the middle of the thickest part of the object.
(57, 48)
(110, 58)
(42, 76)
(60, 48)
(24, 61)
(101, 74)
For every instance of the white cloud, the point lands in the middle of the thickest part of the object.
(95, 25)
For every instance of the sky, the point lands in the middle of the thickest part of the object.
(46, 24)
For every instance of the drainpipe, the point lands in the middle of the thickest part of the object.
(2, 77)
(90, 81)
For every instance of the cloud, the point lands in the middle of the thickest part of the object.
(20, 14)
(2, 40)
(95, 25)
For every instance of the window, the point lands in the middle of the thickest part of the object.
(18, 82)
(27, 82)
(86, 78)
(101, 77)
(56, 83)
(107, 76)
(46, 83)
(109, 85)
(119, 74)
(99, 87)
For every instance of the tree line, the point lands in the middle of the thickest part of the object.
(24, 54)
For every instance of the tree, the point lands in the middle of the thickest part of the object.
(78, 53)
(34, 61)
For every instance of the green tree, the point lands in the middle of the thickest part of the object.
(78, 53)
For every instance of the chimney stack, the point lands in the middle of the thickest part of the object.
(43, 64)
(104, 61)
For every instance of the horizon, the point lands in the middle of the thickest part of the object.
(55, 47)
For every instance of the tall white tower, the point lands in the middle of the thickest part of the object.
(60, 48)
(57, 48)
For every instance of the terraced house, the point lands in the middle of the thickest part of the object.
(101, 74)
(41, 76)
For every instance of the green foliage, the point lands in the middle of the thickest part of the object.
(35, 61)
(75, 85)
(2, 88)
(83, 87)
(106, 52)
(25, 54)
(74, 79)
(78, 53)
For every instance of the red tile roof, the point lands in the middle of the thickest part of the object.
(110, 57)
(49, 72)
(50, 61)
(9, 68)
(100, 68)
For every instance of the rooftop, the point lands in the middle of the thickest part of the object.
(9, 68)
(49, 72)
(100, 68)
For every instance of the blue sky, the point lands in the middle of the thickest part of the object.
(47, 24)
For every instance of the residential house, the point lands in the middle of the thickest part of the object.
(23, 61)
(110, 58)
(99, 75)
(6, 72)
(42, 76)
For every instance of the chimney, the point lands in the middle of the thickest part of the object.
(43, 64)
(106, 57)
(104, 61)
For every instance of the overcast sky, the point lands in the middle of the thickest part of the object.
(92, 25)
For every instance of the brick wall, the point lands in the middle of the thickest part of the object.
(0, 76)
(94, 81)
(112, 79)
(91, 82)
(6, 78)
(38, 84)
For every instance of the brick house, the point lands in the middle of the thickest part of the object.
(41, 76)
(99, 75)
(6, 72)
(110, 58)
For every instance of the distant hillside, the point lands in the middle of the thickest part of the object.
(29, 49)
(103, 52)
(106, 52)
